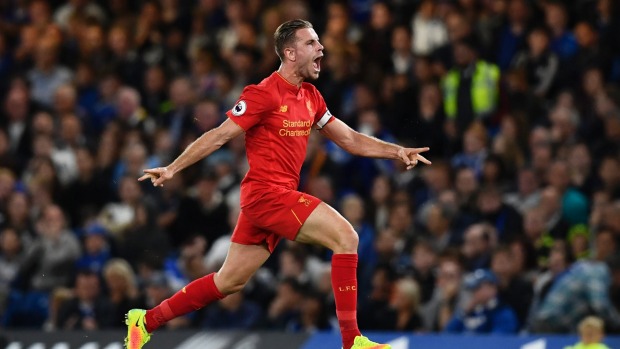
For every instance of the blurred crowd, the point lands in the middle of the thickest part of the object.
(514, 228)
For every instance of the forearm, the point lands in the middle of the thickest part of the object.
(372, 147)
(202, 147)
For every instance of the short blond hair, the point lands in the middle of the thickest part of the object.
(120, 267)
(411, 289)
(593, 322)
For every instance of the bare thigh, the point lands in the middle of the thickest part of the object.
(242, 261)
(326, 227)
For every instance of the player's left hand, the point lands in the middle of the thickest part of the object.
(411, 156)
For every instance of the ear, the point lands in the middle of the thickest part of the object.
(290, 54)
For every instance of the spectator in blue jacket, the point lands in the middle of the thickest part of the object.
(485, 312)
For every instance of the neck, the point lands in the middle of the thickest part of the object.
(289, 74)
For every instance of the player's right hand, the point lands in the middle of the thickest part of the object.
(157, 175)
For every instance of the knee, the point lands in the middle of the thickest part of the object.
(229, 284)
(348, 240)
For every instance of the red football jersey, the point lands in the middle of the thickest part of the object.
(277, 117)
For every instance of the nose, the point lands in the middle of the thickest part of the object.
(320, 47)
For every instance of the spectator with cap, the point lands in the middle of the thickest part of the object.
(96, 249)
(485, 312)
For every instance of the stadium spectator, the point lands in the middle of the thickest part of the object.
(513, 289)
(122, 289)
(88, 309)
(11, 255)
(527, 195)
(375, 312)
(538, 62)
(47, 74)
(430, 31)
(49, 261)
(485, 313)
(563, 42)
(471, 88)
(591, 332)
(583, 289)
(236, 312)
(448, 296)
(96, 249)
(285, 311)
(504, 218)
(406, 302)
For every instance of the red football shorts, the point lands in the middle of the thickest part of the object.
(275, 213)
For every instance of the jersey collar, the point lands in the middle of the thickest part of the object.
(286, 84)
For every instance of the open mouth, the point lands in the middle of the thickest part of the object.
(317, 63)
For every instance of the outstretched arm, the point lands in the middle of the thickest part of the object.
(362, 145)
(203, 146)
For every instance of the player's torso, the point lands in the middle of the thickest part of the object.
(277, 145)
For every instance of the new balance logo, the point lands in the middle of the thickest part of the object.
(283, 108)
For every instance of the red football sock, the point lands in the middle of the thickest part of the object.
(344, 283)
(194, 296)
